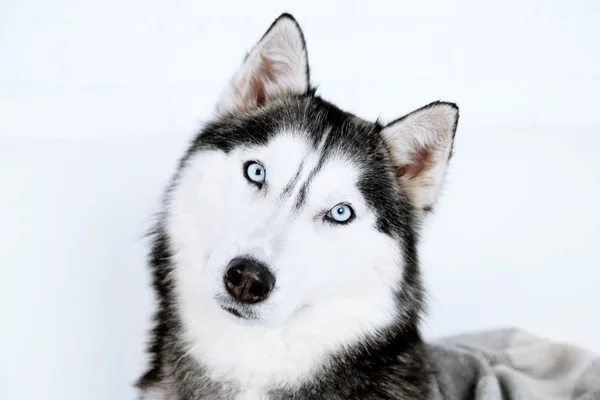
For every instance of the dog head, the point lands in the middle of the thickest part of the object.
(292, 224)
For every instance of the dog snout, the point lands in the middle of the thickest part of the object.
(248, 281)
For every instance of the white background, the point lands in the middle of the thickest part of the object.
(98, 99)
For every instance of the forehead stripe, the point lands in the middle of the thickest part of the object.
(288, 189)
(301, 199)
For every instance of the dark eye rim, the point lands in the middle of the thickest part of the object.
(330, 220)
(245, 172)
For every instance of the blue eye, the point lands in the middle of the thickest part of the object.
(341, 213)
(255, 172)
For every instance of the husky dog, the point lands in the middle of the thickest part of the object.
(285, 258)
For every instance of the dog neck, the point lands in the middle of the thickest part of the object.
(393, 367)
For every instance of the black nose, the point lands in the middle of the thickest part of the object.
(248, 281)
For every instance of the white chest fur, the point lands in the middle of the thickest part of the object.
(252, 394)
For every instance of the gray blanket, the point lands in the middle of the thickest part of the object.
(513, 365)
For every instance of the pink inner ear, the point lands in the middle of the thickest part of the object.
(419, 162)
(265, 72)
(268, 71)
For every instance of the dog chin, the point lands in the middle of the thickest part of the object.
(239, 314)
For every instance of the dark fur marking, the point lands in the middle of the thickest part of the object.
(289, 188)
(301, 199)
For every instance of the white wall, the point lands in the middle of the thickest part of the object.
(97, 100)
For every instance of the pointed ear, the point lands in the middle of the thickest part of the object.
(277, 64)
(421, 147)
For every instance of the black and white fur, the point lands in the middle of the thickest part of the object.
(342, 320)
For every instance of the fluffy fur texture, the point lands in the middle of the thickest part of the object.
(342, 319)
